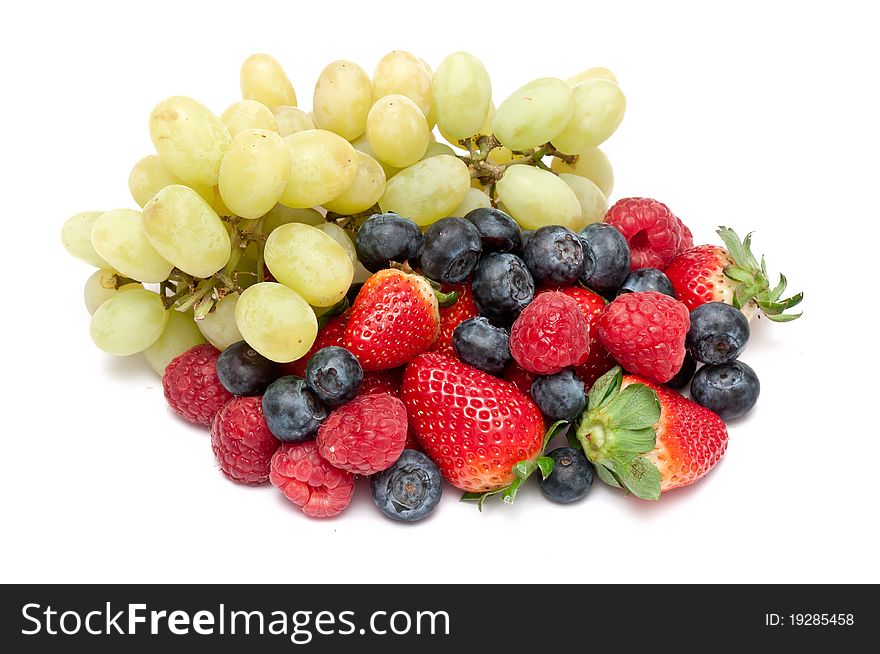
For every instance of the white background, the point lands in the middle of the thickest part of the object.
(762, 116)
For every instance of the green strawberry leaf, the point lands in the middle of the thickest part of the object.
(607, 476)
(632, 442)
(635, 407)
(739, 275)
(639, 476)
(556, 428)
(779, 289)
(446, 299)
(784, 317)
(522, 470)
(605, 388)
(545, 465)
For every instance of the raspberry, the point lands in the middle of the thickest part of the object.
(453, 315)
(366, 435)
(687, 238)
(192, 387)
(382, 381)
(242, 442)
(646, 332)
(331, 334)
(550, 334)
(309, 481)
(654, 234)
(599, 361)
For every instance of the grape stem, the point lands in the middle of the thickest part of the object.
(489, 172)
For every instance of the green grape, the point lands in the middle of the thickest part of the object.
(473, 199)
(361, 274)
(462, 93)
(217, 203)
(435, 149)
(190, 140)
(254, 173)
(343, 97)
(428, 190)
(364, 192)
(129, 322)
(397, 130)
(310, 262)
(179, 335)
(281, 215)
(592, 164)
(101, 286)
(186, 231)
(219, 325)
(76, 236)
(534, 114)
(361, 144)
(292, 120)
(264, 80)
(536, 197)
(118, 237)
(339, 235)
(485, 130)
(594, 206)
(599, 106)
(590, 74)
(248, 114)
(149, 176)
(402, 73)
(276, 321)
(503, 155)
(322, 166)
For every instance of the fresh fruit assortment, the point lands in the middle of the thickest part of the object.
(341, 293)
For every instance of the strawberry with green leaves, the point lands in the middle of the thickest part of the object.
(646, 438)
(481, 431)
(731, 274)
(395, 317)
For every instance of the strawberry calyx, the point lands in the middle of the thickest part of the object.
(753, 284)
(522, 470)
(443, 299)
(616, 432)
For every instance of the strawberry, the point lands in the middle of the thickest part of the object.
(395, 318)
(481, 431)
(599, 361)
(453, 315)
(710, 273)
(646, 438)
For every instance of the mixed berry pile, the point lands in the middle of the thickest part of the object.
(338, 294)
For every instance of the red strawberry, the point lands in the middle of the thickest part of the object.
(645, 333)
(394, 318)
(591, 305)
(383, 381)
(474, 426)
(647, 438)
(550, 334)
(331, 334)
(453, 315)
(520, 377)
(654, 234)
(711, 273)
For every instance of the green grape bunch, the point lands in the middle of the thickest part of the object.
(246, 220)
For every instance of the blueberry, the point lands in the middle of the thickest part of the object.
(353, 291)
(606, 257)
(718, 333)
(561, 396)
(410, 489)
(334, 375)
(244, 371)
(730, 390)
(647, 279)
(685, 373)
(483, 345)
(292, 411)
(554, 256)
(450, 250)
(498, 231)
(526, 234)
(571, 478)
(502, 287)
(387, 237)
